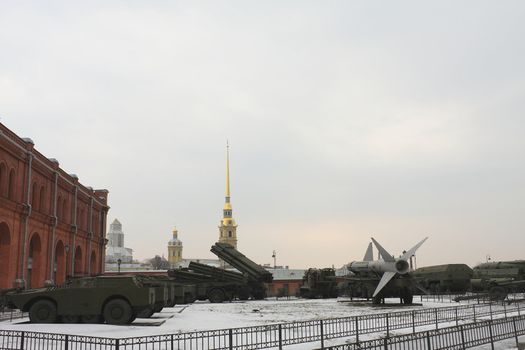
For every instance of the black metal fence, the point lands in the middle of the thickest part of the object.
(267, 336)
(456, 337)
(10, 314)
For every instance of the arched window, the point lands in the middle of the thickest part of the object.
(5, 251)
(42, 197)
(11, 186)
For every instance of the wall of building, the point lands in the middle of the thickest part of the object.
(51, 226)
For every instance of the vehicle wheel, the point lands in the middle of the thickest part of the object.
(189, 298)
(376, 300)
(70, 318)
(216, 296)
(117, 311)
(91, 319)
(43, 311)
(146, 313)
(158, 308)
(407, 299)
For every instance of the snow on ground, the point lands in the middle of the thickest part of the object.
(206, 316)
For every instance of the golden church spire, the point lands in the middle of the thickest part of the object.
(228, 228)
(227, 171)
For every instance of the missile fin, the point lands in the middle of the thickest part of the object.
(369, 255)
(411, 251)
(384, 254)
(387, 276)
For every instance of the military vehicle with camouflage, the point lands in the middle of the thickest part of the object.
(255, 275)
(113, 299)
(218, 284)
(447, 278)
(178, 293)
(501, 273)
(319, 283)
(208, 287)
(161, 289)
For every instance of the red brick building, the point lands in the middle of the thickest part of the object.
(51, 226)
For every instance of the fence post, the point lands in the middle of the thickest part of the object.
(474, 311)
(66, 345)
(491, 336)
(230, 337)
(462, 337)
(387, 327)
(457, 321)
(22, 336)
(413, 321)
(429, 347)
(505, 309)
(490, 310)
(171, 338)
(436, 316)
(280, 337)
(515, 331)
(322, 334)
(518, 309)
(117, 344)
(385, 343)
(357, 329)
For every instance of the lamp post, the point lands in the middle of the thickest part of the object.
(274, 256)
(119, 261)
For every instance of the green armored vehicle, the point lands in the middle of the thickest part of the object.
(448, 278)
(319, 283)
(113, 299)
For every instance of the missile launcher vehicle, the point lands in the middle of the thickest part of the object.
(113, 299)
(447, 278)
(218, 284)
(319, 283)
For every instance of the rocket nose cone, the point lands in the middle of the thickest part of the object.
(402, 266)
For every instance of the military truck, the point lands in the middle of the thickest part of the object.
(218, 284)
(255, 275)
(207, 287)
(178, 293)
(447, 278)
(319, 283)
(501, 273)
(161, 289)
(113, 299)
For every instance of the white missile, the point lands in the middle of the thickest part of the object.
(387, 265)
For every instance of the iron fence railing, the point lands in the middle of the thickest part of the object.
(11, 314)
(266, 336)
(450, 338)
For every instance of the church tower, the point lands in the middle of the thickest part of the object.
(228, 227)
(174, 250)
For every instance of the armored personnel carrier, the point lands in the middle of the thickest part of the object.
(319, 283)
(113, 299)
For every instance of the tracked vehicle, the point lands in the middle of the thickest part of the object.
(319, 283)
(113, 299)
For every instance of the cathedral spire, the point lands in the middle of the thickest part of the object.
(227, 171)
(228, 227)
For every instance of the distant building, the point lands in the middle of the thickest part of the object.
(115, 249)
(228, 227)
(51, 226)
(174, 250)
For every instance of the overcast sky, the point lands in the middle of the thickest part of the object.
(346, 120)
